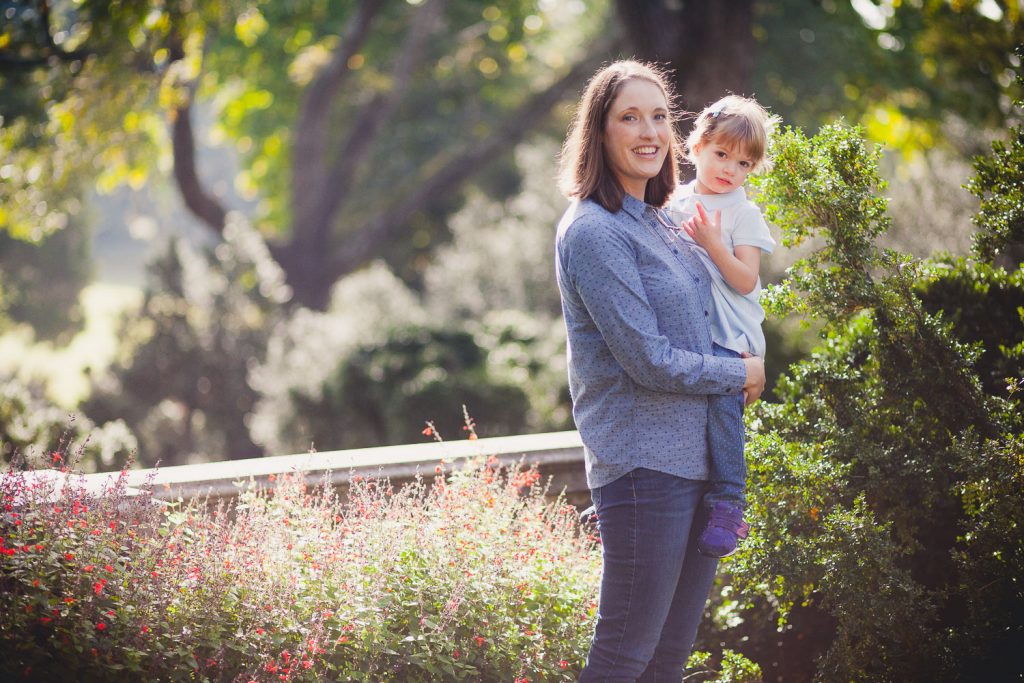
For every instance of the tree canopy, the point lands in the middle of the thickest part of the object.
(358, 123)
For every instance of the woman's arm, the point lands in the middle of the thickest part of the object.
(600, 265)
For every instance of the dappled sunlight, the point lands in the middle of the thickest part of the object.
(64, 370)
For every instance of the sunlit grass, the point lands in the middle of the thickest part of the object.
(64, 370)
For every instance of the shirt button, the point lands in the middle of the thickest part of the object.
(675, 251)
(705, 314)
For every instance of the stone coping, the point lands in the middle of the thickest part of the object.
(558, 454)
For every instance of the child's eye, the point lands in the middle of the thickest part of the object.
(745, 164)
(720, 154)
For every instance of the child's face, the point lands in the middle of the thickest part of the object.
(721, 168)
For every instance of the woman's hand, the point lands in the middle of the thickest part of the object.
(754, 384)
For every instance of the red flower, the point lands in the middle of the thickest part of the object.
(564, 664)
(101, 626)
(479, 641)
(88, 568)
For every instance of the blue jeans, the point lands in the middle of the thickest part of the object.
(654, 583)
(725, 445)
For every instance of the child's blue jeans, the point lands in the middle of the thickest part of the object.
(728, 470)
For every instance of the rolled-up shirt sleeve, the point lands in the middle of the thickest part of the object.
(603, 268)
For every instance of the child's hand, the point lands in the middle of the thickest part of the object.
(705, 231)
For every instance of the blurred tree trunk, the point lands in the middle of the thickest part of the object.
(709, 45)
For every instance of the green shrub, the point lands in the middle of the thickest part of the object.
(424, 371)
(985, 307)
(885, 484)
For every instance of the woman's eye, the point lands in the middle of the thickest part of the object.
(661, 117)
(629, 117)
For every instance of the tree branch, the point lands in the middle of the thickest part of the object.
(445, 175)
(373, 115)
(204, 206)
(311, 129)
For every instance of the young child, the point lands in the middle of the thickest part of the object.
(729, 141)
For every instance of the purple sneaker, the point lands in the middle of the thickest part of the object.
(724, 531)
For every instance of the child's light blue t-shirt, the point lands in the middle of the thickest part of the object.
(735, 318)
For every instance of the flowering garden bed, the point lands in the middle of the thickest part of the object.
(472, 576)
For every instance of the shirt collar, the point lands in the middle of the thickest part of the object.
(731, 197)
(633, 206)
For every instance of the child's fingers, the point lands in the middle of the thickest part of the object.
(703, 214)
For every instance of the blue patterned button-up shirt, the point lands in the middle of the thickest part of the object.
(641, 367)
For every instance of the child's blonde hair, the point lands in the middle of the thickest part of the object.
(735, 122)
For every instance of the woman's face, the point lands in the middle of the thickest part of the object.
(637, 134)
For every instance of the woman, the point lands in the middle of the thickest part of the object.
(641, 368)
